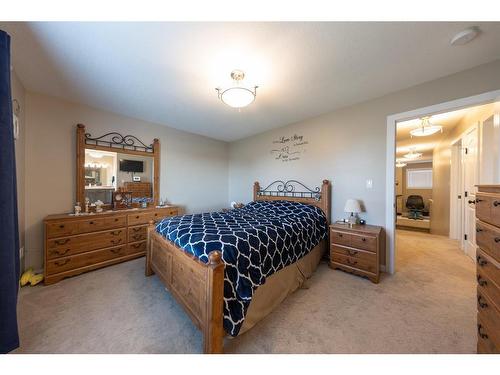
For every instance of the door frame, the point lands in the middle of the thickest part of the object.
(390, 219)
(456, 184)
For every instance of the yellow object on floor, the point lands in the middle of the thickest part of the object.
(30, 277)
(26, 277)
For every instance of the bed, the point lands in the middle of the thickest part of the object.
(230, 269)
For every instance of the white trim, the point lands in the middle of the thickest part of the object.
(452, 105)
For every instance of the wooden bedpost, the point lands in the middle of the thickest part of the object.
(256, 188)
(326, 189)
(151, 228)
(213, 331)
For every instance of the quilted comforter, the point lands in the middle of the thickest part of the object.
(256, 241)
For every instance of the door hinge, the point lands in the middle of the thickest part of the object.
(465, 194)
(459, 197)
(466, 151)
(465, 237)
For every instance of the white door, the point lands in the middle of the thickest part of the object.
(470, 178)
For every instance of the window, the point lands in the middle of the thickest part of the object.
(419, 178)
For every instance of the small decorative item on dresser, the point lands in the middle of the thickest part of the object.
(488, 268)
(355, 249)
(352, 206)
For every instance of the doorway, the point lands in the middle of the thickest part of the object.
(391, 209)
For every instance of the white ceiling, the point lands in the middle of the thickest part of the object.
(166, 72)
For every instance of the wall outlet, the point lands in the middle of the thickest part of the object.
(369, 184)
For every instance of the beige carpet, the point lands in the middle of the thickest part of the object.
(428, 306)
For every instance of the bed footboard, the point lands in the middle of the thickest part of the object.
(197, 286)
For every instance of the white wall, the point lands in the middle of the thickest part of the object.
(348, 146)
(194, 169)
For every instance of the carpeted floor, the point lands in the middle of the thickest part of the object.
(428, 306)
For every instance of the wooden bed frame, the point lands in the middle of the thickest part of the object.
(198, 286)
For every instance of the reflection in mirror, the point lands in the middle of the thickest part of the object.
(107, 172)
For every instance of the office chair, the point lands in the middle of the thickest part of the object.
(415, 206)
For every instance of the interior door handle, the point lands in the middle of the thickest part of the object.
(472, 202)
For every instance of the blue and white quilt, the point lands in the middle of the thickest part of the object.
(256, 241)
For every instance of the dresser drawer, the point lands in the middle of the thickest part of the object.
(85, 242)
(139, 233)
(62, 228)
(364, 242)
(488, 313)
(165, 212)
(140, 218)
(101, 223)
(483, 207)
(485, 302)
(340, 238)
(489, 287)
(85, 259)
(358, 254)
(488, 267)
(137, 247)
(485, 345)
(354, 262)
(488, 239)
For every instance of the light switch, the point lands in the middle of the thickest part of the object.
(369, 184)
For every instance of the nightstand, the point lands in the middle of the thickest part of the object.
(356, 249)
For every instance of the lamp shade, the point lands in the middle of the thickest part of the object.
(352, 205)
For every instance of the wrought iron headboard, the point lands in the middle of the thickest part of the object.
(289, 189)
(294, 190)
(116, 140)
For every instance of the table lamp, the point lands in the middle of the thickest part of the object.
(352, 206)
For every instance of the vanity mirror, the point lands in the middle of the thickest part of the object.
(115, 163)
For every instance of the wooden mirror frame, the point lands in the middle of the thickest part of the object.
(117, 143)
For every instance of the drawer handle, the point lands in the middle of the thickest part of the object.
(481, 281)
(478, 230)
(137, 217)
(61, 226)
(363, 239)
(480, 302)
(91, 223)
(496, 203)
(341, 235)
(481, 334)
(116, 219)
(57, 252)
(116, 232)
(137, 236)
(351, 262)
(62, 242)
(352, 252)
(116, 251)
(60, 263)
(137, 229)
(497, 239)
(472, 201)
(137, 245)
(116, 242)
(482, 262)
(479, 200)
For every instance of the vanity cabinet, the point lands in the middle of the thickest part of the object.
(77, 244)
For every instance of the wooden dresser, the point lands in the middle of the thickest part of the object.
(488, 268)
(356, 249)
(77, 244)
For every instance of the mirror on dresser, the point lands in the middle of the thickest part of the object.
(118, 170)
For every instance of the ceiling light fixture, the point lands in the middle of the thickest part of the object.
(400, 163)
(412, 155)
(237, 96)
(465, 36)
(426, 128)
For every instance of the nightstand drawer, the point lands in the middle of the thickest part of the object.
(354, 253)
(340, 238)
(362, 264)
(364, 242)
